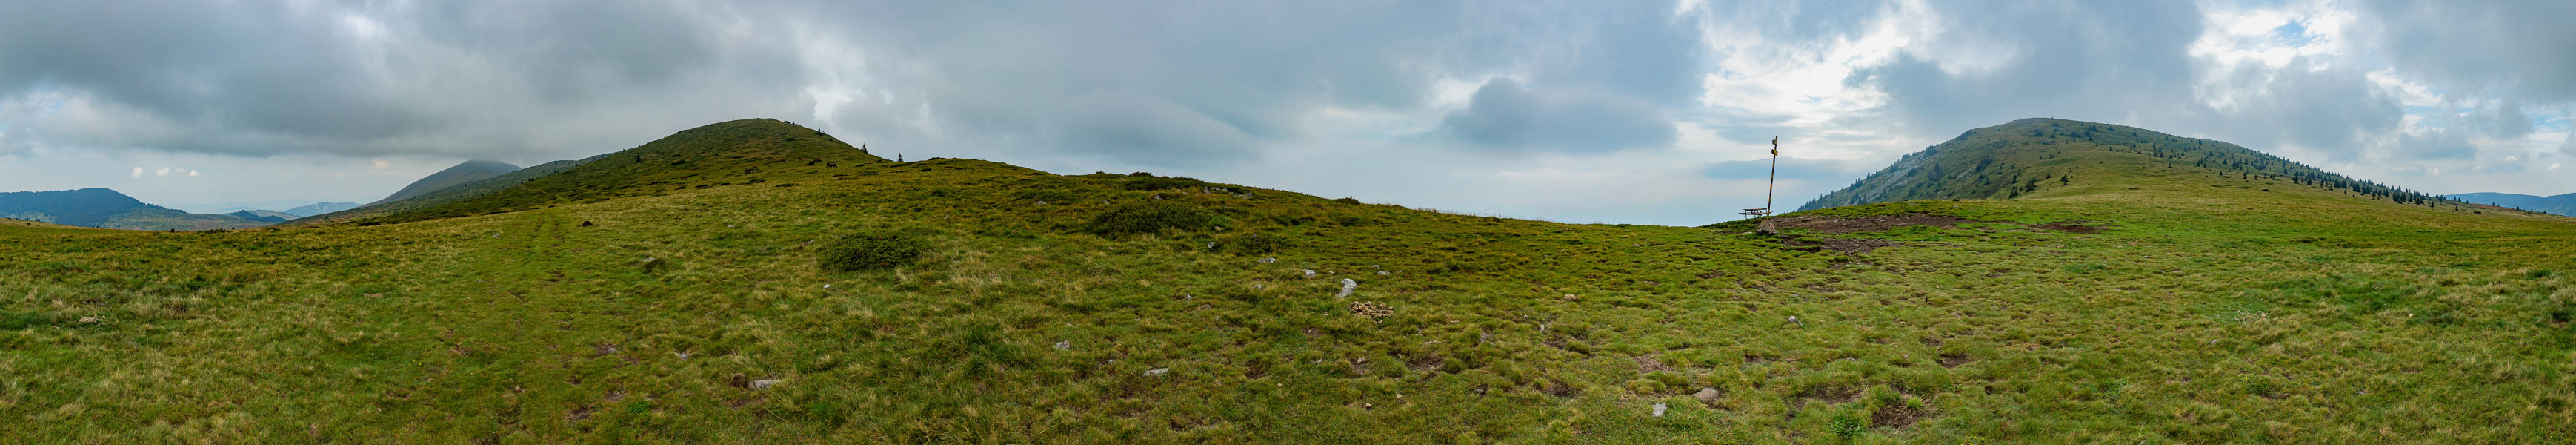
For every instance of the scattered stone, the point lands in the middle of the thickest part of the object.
(765, 383)
(1347, 287)
(1269, 260)
(1767, 228)
(1310, 273)
(1793, 319)
(1158, 196)
(1571, 297)
(1042, 203)
(682, 355)
(1157, 372)
(90, 319)
(1659, 410)
(1706, 395)
(1381, 272)
(1064, 345)
(1211, 245)
(827, 286)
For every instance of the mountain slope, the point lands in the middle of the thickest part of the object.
(742, 151)
(320, 208)
(2153, 306)
(2560, 204)
(2024, 157)
(454, 193)
(103, 208)
(468, 171)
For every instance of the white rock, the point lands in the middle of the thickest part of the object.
(1064, 345)
(1157, 372)
(1347, 287)
(683, 355)
(1269, 260)
(1659, 410)
(765, 383)
(1310, 273)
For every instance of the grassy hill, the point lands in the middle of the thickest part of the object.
(2024, 156)
(453, 193)
(468, 171)
(748, 151)
(103, 208)
(652, 301)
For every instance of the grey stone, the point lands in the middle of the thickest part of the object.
(766, 383)
(1157, 372)
(1347, 287)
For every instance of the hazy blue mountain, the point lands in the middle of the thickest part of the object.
(261, 216)
(320, 208)
(2556, 205)
(103, 208)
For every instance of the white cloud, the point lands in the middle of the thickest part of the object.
(138, 172)
(192, 173)
(164, 171)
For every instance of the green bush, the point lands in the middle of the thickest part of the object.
(1161, 183)
(1347, 200)
(872, 250)
(1256, 243)
(1150, 217)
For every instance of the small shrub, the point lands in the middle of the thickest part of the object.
(872, 250)
(1353, 221)
(1150, 217)
(1161, 183)
(1347, 200)
(1048, 195)
(1256, 243)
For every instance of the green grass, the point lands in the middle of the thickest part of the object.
(2202, 315)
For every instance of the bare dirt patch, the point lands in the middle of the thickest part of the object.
(1954, 360)
(1648, 363)
(1896, 417)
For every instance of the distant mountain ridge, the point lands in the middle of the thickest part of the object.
(103, 208)
(262, 216)
(320, 208)
(2564, 205)
(468, 171)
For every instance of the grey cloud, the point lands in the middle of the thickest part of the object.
(2521, 47)
(2443, 144)
(1791, 168)
(2083, 60)
(1506, 116)
(2332, 110)
(469, 79)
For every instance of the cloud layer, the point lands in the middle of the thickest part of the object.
(1426, 103)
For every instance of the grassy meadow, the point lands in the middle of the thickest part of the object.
(2197, 309)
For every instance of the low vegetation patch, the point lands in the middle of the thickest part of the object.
(1150, 217)
(873, 250)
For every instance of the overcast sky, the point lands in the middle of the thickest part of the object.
(1588, 111)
